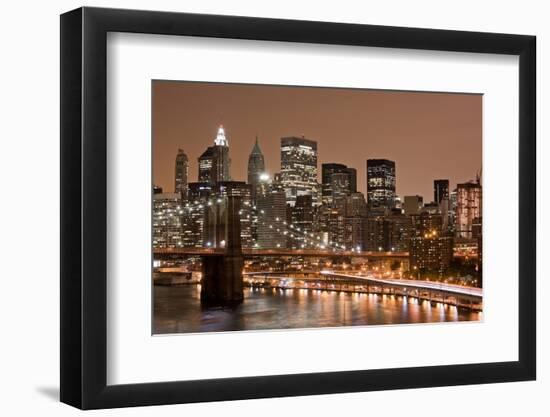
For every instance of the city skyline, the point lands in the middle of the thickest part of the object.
(314, 208)
(172, 124)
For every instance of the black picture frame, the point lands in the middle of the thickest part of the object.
(84, 207)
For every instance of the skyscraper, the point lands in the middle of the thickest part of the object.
(352, 172)
(182, 168)
(271, 209)
(441, 190)
(468, 208)
(380, 183)
(356, 205)
(167, 220)
(214, 163)
(302, 218)
(299, 168)
(340, 188)
(326, 179)
(256, 167)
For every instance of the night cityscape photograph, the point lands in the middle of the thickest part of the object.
(282, 207)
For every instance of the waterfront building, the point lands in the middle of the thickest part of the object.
(214, 163)
(256, 168)
(167, 220)
(412, 204)
(430, 251)
(299, 168)
(468, 208)
(181, 172)
(380, 183)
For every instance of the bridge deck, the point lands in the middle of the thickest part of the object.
(279, 252)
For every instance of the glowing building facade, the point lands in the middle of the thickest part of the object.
(380, 183)
(299, 169)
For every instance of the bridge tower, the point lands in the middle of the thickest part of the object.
(222, 275)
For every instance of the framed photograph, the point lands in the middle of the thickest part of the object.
(256, 208)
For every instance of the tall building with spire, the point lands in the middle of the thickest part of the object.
(256, 167)
(214, 163)
(182, 168)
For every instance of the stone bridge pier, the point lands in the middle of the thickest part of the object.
(222, 275)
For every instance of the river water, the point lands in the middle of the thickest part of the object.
(178, 310)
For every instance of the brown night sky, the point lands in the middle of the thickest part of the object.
(428, 135)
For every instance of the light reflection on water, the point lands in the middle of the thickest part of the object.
(178, 310)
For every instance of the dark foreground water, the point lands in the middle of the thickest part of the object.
(178, 310)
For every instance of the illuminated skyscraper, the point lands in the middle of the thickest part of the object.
(302, 218)
(167, 220)
(380, 183)
(271, 210)
(182, 168)
(256, 167)
(468, 208)
(299, 168)
(214, 163)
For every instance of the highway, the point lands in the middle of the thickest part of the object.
(404, 283)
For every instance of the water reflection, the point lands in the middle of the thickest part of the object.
(178, 310)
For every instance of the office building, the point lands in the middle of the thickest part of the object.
(181, 173)
(302, 218)
(271, 215)
(468, 208)
(299, 168)
(214, 163)
(339, 188)
(380, 183)
(327, 170)
(441, 191)
(431, 251)
(167, 220)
